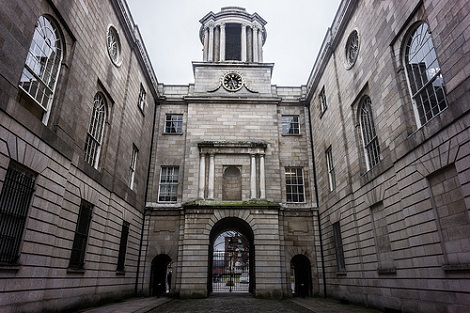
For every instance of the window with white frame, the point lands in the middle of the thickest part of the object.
(290, 125)
(295, 191)
(42, 67)
(369, 135)
(330, 169)
(133, 166)
(174, 124)
(15, 198)
(323, 103)
(96, 130)
(142, 97)
(168, 184)
(424, 77)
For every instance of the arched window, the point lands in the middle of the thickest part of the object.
(42, 66)
(424, 76)
(369, 135)
(96, 130)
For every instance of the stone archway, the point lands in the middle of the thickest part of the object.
(161, 275)
(237, 234)
(302, 276)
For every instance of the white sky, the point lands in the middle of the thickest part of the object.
(295, 29)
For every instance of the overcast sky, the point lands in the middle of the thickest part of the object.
(295, 29)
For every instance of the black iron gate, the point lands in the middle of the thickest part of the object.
(230, 265)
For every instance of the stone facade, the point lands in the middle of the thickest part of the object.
(41, 279)
(229, 153)
(395, 218)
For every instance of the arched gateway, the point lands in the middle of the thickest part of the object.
(231, 257)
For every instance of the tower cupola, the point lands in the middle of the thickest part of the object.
(233, 35)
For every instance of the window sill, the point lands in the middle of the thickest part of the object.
(10, 267)
(341, 273)
(386, 270)
(121, 273)
(291, 134)
(456, 267)
(75, 270)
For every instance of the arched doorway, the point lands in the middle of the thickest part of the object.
(301, 275)
(231, 257)
(161, 275)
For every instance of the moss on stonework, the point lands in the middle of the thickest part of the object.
(249, 203)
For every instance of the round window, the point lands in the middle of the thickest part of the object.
(352, 49)
(114, 46)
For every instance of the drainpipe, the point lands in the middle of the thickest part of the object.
(322, 256)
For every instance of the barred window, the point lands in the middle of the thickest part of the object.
(168, 184)
(330, 168)
(123, 246)
(133, 166)
(96, 130)
(369, 136)
(290, 125)
(340, 264)
(14, 204)
(295, 192)
(42, 66)
(424, 76)
(174, 124)
(77, 257)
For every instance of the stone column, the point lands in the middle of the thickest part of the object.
(210, 56)
(255, 44)
(262, 178)
(206, 44)
(253, 177)
(260, 46)
(243, 43)
(202, 175)
(222, 43)
(210, 194)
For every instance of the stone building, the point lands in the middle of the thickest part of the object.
(353, 186)
(76, 117)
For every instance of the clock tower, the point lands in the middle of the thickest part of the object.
(232, 63)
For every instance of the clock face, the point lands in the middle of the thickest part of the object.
(232, 82)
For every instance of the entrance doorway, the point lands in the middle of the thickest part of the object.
(231, 257)
(161, 275)
(301, 276)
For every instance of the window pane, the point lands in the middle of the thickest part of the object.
(294, 185)
(369, 136)
(424, 75)
(42, 63)
(168, 184)
(174, 123)
(290, 124)
(95, 130)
